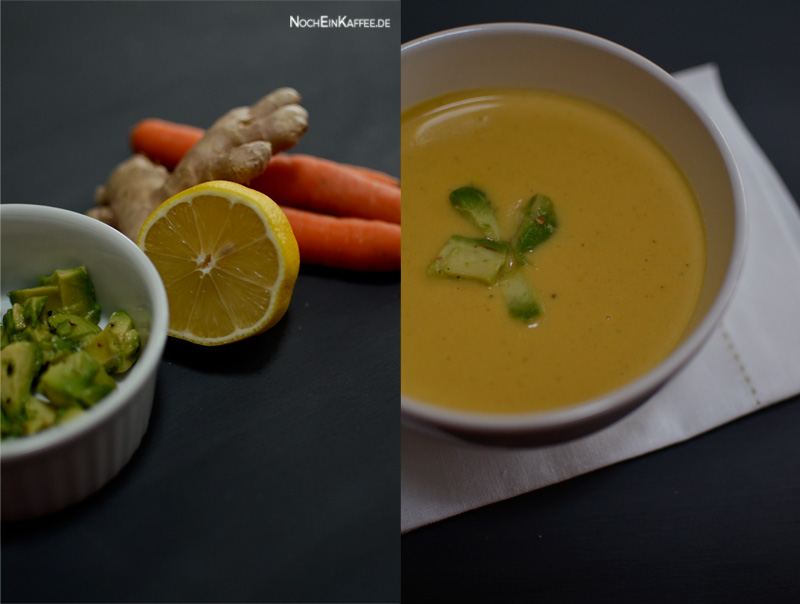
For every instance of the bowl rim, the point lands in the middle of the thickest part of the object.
(416, 412)
(14, 450)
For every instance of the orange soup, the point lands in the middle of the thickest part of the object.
(613, 286)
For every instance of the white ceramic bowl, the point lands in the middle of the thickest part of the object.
(59, 466)
(559, 59)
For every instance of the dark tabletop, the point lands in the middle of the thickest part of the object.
(716, 519)
(269, 472)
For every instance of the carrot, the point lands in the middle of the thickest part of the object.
(296, 180)
(349, 243)
(164, 142)
(375, 174)
(321, 185)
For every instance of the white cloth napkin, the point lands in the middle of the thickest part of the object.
(751, 361)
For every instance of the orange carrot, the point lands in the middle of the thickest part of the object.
(349, 243)
(297, 180)
(164, 142)
(375, 174)
(321, 185)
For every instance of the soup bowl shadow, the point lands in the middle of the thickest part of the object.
(557, 59)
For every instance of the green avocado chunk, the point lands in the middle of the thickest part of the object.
(520, 300)
(51, 294)
(477, 208)
(77, 379)
(116, 348)
(470, 258)
(39, 415)
(68, 289)
(72, 327)
(121, 325)
(20, 363)
(537, 224)
(32, 310)
(23, 318)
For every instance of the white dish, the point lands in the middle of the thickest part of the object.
(59, 466)
(577, 63)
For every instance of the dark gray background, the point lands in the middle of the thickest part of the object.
(716, 519)
(270, 468)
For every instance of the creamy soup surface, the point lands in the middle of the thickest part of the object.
(617, 282)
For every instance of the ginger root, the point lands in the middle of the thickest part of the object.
(237, 148)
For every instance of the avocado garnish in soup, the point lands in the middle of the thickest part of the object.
(492, 260)
(552, 251)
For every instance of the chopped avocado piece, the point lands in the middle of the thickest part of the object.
(68, 414)
(54, 348)
(469, 258)
(520, 299)
(76, 292)
(121, 325)
(72, 327)
(78, 378)
(474, 204)
(40, 415)
(537, 224)
(50, 292)
(21, 324)
(23, 314)
(105, 349)
(8, 326)
(130, 346)
(33, 309)
(9, 429)
(20, 363)
(18, 317)
(117, 346)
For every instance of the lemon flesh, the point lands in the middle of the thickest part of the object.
(228, 259)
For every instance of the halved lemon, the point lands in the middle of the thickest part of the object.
(228, 259)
